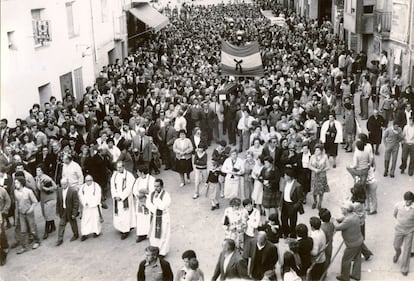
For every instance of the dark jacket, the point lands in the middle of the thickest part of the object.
(296, 195)
(305, 246)
(269, 257)
(72, 203)
(236, 269)
(165, 267)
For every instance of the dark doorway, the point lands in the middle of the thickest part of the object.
(324, 10)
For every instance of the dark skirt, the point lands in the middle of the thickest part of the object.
(269, 198)
(331, 148)
(304, 178)
(183, 166)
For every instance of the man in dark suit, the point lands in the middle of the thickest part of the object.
(305, 245)
(230, 264)
(157, 266)
(99, 167)
(261, 256)
(142, 149)
(67, 207)
(291, 203)
(208, 118)
(259, 112)
(167, 136)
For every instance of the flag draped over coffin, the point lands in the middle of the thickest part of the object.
(241, 60)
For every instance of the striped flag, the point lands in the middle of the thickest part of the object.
(242, 61)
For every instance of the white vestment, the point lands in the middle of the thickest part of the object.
(90, 199)
(142, 185)
(159, 234)
(123, 210)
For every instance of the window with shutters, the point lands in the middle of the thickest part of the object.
(73, 26)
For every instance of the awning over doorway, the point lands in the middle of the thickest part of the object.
(150, 16)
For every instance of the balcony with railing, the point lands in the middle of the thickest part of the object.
(382, 24)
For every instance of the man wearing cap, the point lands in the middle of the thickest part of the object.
(143, 186)
(404, 231)
(350, 227)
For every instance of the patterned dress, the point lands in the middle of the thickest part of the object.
(319, 182)
(235, 223)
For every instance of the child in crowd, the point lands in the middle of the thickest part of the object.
(213, 183)
(272, 228)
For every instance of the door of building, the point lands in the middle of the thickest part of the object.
(111, 56)
(45, 92)
(77, 75)
(66, 83)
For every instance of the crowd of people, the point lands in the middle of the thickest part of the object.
(275, 139)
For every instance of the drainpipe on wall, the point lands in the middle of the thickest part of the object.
(95, 52)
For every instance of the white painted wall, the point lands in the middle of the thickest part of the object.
(25, 69)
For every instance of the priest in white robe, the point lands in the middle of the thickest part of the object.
(143, 186)
(90, 198)
(122, 182)
(158, 203)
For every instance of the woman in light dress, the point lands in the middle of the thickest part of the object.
(249, 163)
(256, 148)
(235, 222)
(257, 194)
(318, 164)
(233, 167)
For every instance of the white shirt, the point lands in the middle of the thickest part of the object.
(115, 152)
(288, 189)
(226, 261)
(64, 193)
(408, 133)
(196, 140)
(408, 115)
(305, 159)
(260, 247)
(319, 241)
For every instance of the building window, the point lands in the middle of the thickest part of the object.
(11, 40)
(369, 9)
(104, 10)
(41, 28)
(73, 27)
